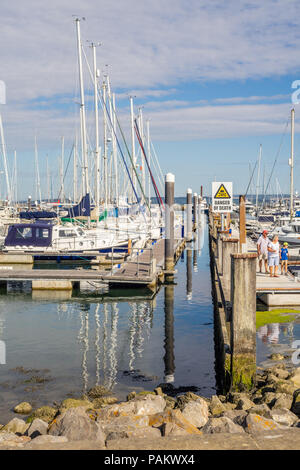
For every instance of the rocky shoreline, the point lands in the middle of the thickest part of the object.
(98, 417)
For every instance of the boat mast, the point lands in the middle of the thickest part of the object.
(132, 147)
(105, 147)
(48, 179)
(62, 189)
(75, 171)
(97, 157)
(291, 162)
(5, 162)
(258, 176)
(38, 184)
(82, 113)
(114, 145)
(141, 126)
(15, 178)
(149, 160)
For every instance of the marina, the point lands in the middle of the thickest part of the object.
(149, 227)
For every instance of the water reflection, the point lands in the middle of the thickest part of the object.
(169, 357)
(189, 272)
(271, 333)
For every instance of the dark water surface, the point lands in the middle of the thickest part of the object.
(57, 348)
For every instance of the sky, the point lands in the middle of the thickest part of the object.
(213, 78)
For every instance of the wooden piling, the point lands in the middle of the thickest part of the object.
(243, 322)
(242, 225)
(195, 203)
(169, 223)
(189, 223)
(229, 246)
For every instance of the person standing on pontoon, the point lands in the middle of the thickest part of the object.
(273, 256)
(262, 250)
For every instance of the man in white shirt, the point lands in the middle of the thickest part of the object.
(262, 250)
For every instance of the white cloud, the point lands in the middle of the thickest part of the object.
(147, 46)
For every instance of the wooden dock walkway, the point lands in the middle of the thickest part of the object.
(145, 267)
(278, 291)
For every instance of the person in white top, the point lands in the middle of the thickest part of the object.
(273, 256)
(262, 250)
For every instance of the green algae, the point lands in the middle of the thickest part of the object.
(278, 315)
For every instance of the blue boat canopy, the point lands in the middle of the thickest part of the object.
(29, 215)
(37, 234)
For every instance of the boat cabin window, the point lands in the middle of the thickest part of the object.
(67, 233)
(24, 232)
(42, 233)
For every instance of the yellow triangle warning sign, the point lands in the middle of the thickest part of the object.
(222, 193)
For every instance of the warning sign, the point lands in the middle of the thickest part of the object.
(222, 197)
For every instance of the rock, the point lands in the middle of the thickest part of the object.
(171, 429)
(281, 373)
(272, 379)
(46, 413)
(74, 403)
(131, 395)
(296, 403)
(283, 416)
(237, 416)
(276, 357)
(255, 423)
(10, 439)
(23, 408)
(140, 405)
(222, 424)
(262, 410)
(216, 407)
(229, 406)
(235, 397)
(99, 402)
(174, 417)
(285, 387)
(182, 400)
(16, 425)
(170, 402)
(46, 439)
(196, 412)
(149, 404)
(98, 391)
(295, 378)
(129, 426)
(283, 401)
(268, 398)
(38, 427)
(76, 425)
(244, 404)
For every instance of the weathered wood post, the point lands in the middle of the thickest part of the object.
(169, 358)
(199, 211)
(243, 323)
(29, 203)
(243, 245)
(189, 223)
(195, 203)
(169, 224)
(229, 246)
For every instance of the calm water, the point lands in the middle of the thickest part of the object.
(58, 348)
(62, 347)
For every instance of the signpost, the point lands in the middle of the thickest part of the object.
(222, 197)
